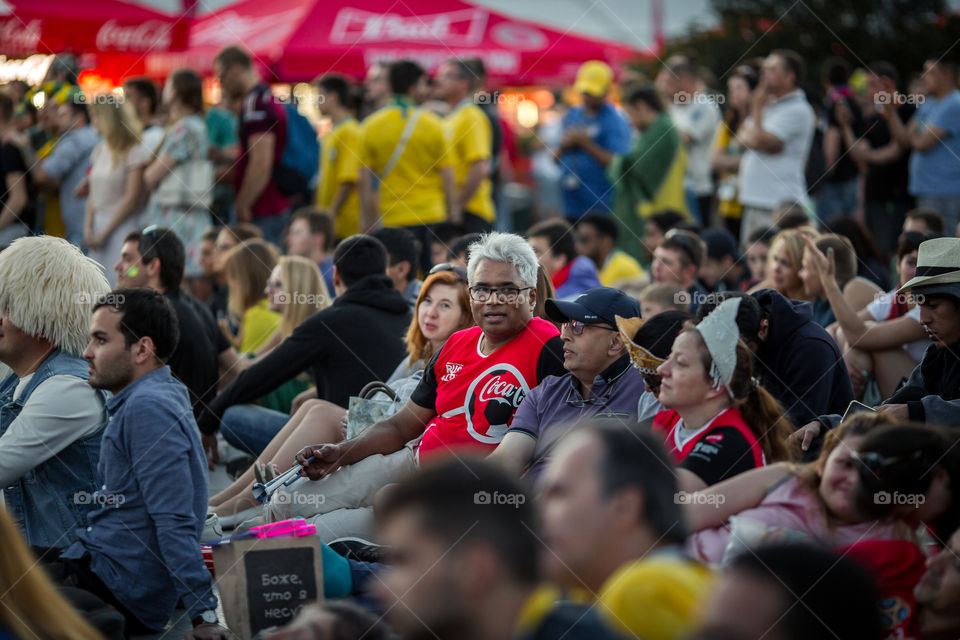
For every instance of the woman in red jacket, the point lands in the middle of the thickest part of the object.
(719, 422)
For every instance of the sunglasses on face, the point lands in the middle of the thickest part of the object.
(576, 327)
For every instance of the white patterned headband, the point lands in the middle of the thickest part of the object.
(721, 334)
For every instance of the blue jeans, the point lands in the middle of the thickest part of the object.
(250, 427)
(837, 199)
(273, 227)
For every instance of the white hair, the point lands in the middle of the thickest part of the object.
(504, 247)
(48, 289)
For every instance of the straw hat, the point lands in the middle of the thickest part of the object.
(938, 268)
(642, 359)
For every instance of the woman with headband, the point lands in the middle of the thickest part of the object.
(719, 421)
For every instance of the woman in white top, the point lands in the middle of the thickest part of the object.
(885, 340)
(116, 180)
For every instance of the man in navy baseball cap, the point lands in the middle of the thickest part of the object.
(597, 306)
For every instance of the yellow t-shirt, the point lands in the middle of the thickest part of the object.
(259, 323)
(656, 598)
(412, 193)
(340, 163)
(728, 203)
(468, 130)
(619, 266)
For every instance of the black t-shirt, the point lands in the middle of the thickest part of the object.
(11, 161)
(844, 168)
(886, 182)
(194, 361)
(725, 454)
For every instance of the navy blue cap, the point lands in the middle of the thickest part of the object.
(597, 306)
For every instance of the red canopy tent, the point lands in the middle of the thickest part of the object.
(296, 40)
(83, 26)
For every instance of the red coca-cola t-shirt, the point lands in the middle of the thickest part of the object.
(475, 396)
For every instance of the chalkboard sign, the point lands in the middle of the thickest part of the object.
(265, 583)
(279, 583)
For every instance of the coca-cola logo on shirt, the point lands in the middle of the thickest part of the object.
(492, 398)
(152, 34)
(16, 35)
(452, 28)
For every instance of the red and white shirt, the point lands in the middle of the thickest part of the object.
(476, 395)
(718, 450)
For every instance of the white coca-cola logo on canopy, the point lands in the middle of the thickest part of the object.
(452, 28)
(230, 27)
(17, 35)
(146, 36)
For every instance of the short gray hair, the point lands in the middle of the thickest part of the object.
(504, 247)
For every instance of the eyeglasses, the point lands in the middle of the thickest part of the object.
(506, 295)
(576, 327)
(446, 266)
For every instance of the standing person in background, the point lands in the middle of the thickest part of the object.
(18, 215)
(649, 177)
(263, 137)
(726, 152)
(695, 115)
(597, 237)
(886, 199)
(592, 133)
(180, 177)
(376, 88)
(142, 93)
(777, 135)
(340, 160)
(224, 150)
(933, 133)
(470, 134)
(502, 142)
(837, 191)
(66, 166)
(116, 182)
(416, 187)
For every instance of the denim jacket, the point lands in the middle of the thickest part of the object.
(52, 500)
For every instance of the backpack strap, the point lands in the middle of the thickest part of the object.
(401, 144)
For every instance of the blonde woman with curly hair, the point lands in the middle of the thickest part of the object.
(116, 180)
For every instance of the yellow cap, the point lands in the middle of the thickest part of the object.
(594, 77)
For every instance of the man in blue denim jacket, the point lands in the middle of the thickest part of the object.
(51, 420)
(141, 550)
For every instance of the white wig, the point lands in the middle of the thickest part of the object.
(504, 247)
(48, 288)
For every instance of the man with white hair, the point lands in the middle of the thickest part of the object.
(50, 418)
(468, 395)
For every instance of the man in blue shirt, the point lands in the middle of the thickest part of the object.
(933, 134)
(141, 551)
(592, 134)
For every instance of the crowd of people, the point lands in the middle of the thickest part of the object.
(713, 391)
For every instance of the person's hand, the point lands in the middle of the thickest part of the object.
(806, 434)
(825, 265)
(759, 97)
(209, 631)
(858, 380)
(843, 114)
(895, 411)
(244, 214)
(94, 240)
(326, 459)
(209, 441)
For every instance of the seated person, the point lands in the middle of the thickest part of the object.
(797, 360)
(403, 260)
(718, 420)
(648, 343)
(756, 250)
(665, 296)
(937, 593)
(442, 309)
(677, 261)
(51, 420)
(600, 381)
(723, 269)
(553, 242)
(924, 220)
(885, 339)
(141, 551)
(597, 235)
(360, 335)
(856, 291)
(469, 391)
(613, 530)
(784, 262)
